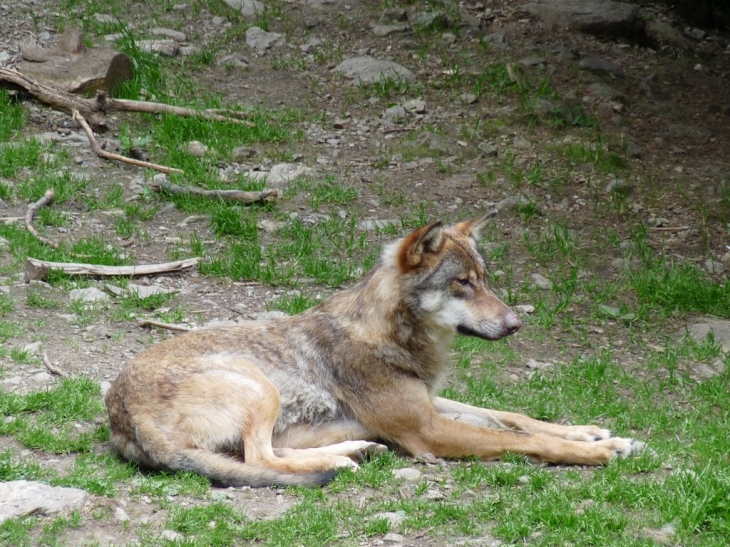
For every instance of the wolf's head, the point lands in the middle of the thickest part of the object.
(445, 281)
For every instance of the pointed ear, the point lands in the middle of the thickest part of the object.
(473, 228)
(416, 246)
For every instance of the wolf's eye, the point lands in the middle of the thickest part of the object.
(465, 282)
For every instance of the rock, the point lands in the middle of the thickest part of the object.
(392, 537)
(617, 185)
(409, 474)
(369, 70)
(468, 98)
(194, 148)
(719, 328)
(258, 38)
(282, 174)
(73, 68)
(603, 18)
(633, 150)
(169, 33)
(695, 33)
(105, 385)
(663, 536)
(248, 8)
(393, 15)
(541, 282)
(121, 515)
(243, 153)
(266, 315)
(496, 38)
(32, 348)
(600, 66)
(435, 144)
(395, 519)
(714, 267)
(415, 106)
(168, 48)
(651, 88)
(538, 365)
(92, 294)
(513, 202)
(22, 498)
(605, 92)
(692, 131)
(378, 224)
(234, 60)
(664, 33)
(524, 308)
(705, 371)
(532, 60)
(171, 535)
(394, 114)
(385, 30)
(145, 291)
(553, 108)
(104, 18)
(312, 45)
(487, 148)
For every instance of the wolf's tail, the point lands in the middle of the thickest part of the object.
(227, 471)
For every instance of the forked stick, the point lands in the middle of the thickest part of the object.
(240, 196)
(117, 157)
(30, 214)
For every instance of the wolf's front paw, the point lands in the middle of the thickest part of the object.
(363, 450)
(587, 433)
(623, 448)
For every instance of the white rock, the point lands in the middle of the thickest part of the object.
(407, 473)
(369, 70)
(91, 294)
(144, 291)
(258, 38)
(249, 8)
(121, 515)
(21, 498)
(541, 282)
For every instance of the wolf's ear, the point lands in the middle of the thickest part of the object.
(473, 228)
(416, 246)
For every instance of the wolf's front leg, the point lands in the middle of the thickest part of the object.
(497, 419)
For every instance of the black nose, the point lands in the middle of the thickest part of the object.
(512, 322)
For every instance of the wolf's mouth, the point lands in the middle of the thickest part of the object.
(467, 331)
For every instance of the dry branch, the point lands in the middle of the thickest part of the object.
(160, 324)
(240, 196)
(30, 214)
(53, 369)
(97, 108)
(39, 269)
(116, 157)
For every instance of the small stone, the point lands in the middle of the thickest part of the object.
(394, 114)
(32, 348)
(392, 537)
(409, 474)
(194, 148)
(524, 308)
(415, 105)
(714, 267)
(121, 515)
(243, 153)
(487, 148)
(393, 15)
(105, 385)
(167, 48)
(541, 282)
(145, 291)
(595, 64)
(234, 60)
(258, 38)
(378, 224)
(169, 33)
(538, 365)
(611, 311)
(21, 498)
(92, 294)
(171, 535)
(394, 518)
(468, 98)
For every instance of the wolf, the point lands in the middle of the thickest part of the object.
(292, 400)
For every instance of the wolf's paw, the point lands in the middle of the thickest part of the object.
(343, 462)
(363, 450)
(587, 433)
(623, 448)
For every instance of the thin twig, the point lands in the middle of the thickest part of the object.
(668, 228)
(160, 324)
(30, 215)
(53, 369)
(216, 114)
(240, 196)
(117, 157)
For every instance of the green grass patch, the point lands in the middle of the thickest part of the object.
(12, 116)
